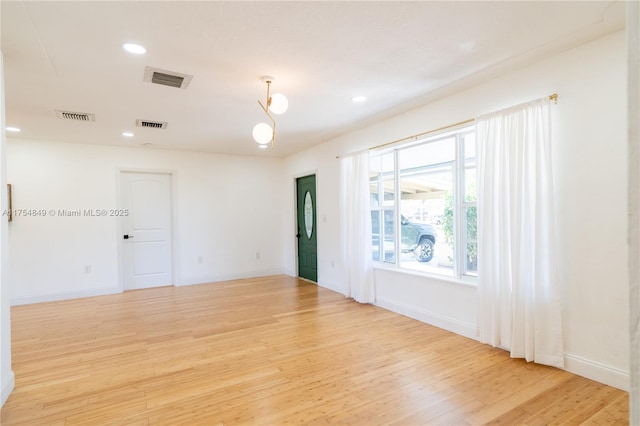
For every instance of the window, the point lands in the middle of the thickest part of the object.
(382, 207)
(425, 192)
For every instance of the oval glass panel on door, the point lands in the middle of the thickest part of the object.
(308, 214)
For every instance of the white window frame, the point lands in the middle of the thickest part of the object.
(381, 218)
(460, 207)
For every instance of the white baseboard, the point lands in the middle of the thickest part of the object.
(231, 277)
(596, 371)
(574, 364)
(330, 286)
(64, 295)
(8, 383)
(101, 291)
(450, 324)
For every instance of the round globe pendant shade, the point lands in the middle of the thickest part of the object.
(279, 103)
(262, 133)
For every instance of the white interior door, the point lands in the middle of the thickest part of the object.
(146, 230)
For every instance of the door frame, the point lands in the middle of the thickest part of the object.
(294, 182)
(173, 223)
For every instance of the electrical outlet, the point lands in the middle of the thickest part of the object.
(87, 269)
(257, 255)
(200, 260)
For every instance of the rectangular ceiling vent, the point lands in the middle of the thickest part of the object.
(77, 116)
(166, 78)
(151, 124)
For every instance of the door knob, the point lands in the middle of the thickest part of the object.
(127, 236)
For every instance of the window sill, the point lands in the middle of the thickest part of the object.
(465, 281)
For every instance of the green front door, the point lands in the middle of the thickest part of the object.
(307, 235)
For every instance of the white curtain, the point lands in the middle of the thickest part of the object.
(519, 298)
(355, 215)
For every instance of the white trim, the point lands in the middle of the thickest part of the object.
(175, 240)
(330, 286)
(596, 371)
(465, 280)
(441, 321)
(305, 174)
(65, 295)
(238, 276)
(593, 370)
(633, 181)
(8, 383)
(173, 188)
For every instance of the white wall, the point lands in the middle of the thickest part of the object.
(227, 209)
(6, 373)
(590, 175)
(633, 59)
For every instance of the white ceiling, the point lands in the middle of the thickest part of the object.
(68, 56)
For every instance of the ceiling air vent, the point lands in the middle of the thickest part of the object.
(166, 78)
(77, 116)
(151, 124)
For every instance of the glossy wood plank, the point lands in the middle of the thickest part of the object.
(271, 351)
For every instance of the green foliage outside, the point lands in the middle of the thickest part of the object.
(447, 223)
(472, 228)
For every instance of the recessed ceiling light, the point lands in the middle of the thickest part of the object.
(134, 48)
(359, 99)
(13, 129)
(127, 134)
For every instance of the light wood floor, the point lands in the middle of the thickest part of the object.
(271, 351)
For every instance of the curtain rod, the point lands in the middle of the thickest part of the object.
(553, 97)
